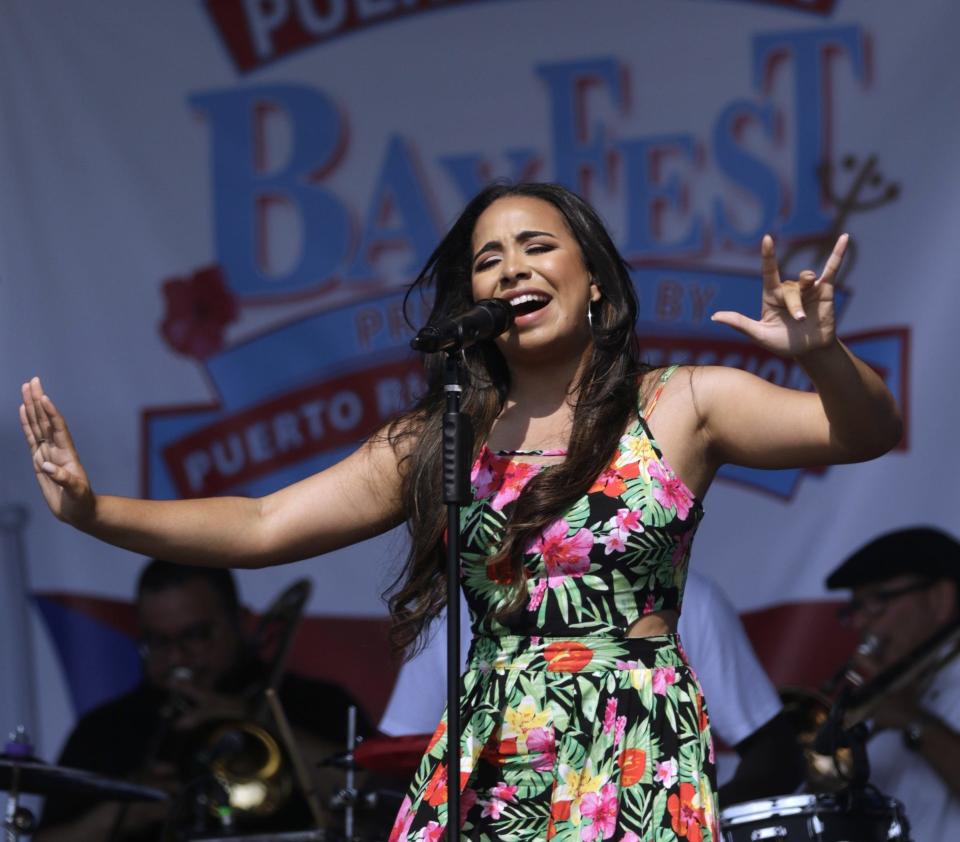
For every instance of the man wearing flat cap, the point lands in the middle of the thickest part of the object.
(906, 604)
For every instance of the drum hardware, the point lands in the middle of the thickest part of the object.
(21, 773)
(346, 798)
(848, 816)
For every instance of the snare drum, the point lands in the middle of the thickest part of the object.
(815, 818)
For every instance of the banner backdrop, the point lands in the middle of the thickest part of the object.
(209, 211)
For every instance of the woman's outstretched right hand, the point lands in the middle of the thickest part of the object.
(62, 478)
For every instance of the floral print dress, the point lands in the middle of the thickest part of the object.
(571, 730)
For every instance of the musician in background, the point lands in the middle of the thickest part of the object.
(905, 592)
(197, 670)
(745, 710)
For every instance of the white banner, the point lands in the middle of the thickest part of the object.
(209, 211)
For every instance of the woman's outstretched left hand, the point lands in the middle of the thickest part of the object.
(796, 317)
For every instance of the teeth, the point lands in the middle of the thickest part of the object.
(529, 296)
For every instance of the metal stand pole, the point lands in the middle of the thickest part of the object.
(457, 449)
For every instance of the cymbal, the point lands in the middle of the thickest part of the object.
(40, 778)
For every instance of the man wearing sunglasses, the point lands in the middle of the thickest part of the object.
(906, 606)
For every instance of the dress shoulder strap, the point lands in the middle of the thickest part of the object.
(647, 410)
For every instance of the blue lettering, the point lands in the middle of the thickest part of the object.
(746, 171)
(242, 194)
(580, 151)
(399, 215)
(810, 51)
(650, 196)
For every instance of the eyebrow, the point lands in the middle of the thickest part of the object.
(522, 237)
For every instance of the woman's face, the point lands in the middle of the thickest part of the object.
(524, 252)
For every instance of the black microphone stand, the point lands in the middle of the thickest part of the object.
(457, 450)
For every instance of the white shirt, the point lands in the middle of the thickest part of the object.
(739, 696)
(933, 812)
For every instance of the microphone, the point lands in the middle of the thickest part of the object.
(485, 320)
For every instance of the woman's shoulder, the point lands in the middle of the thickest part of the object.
(656, 381)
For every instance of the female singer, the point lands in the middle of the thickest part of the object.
(581, 718)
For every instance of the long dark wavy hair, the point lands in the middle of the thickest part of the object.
(605, 398)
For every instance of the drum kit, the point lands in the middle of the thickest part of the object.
(22, 774)
(864, 816)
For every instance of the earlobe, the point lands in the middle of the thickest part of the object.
(595, 294)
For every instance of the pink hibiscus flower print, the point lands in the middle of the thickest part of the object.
(536, 595)
(614, 542)
(401, 824)
(515, 477)
(503, 791)
(542, 743)
(621, 727)
(627, 520)
(666, 773)
(434, 832)
(493, 808)
(563, 555)
(663, 677)
(487, 473)
(672, 493)
(609, 716)
(602, 808)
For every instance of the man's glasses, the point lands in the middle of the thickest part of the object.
(873, 605)
(192, 640)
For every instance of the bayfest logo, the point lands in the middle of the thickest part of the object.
(296, 396)
(258, 33)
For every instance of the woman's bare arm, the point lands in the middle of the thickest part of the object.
(354, 499)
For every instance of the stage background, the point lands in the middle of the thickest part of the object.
(208, 211)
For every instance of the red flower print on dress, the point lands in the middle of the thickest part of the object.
(563, 555)
(516, 476)
(602, 808)
(437, 734)
(567, 656)
(633, 763)
(199, 308)
(612, 481)
(672, 493)
(685, 817)
(436, 791)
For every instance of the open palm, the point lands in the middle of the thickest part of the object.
(62, 478)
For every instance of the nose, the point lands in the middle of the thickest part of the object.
(514, 266)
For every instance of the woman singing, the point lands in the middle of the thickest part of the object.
(581, 718)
